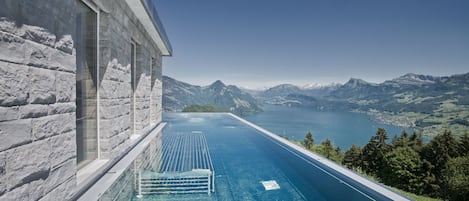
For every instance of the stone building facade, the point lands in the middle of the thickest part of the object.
(80, 91)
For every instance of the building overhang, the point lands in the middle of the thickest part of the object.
(145, 10)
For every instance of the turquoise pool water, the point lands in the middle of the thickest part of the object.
(243, 158)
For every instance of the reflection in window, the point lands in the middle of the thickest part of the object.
(133, 84)
(86, 83)
(153, 103)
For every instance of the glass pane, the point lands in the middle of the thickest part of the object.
(86, 82)
(132, 83)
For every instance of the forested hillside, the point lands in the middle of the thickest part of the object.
(439, 168)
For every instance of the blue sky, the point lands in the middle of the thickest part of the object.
(259, 43)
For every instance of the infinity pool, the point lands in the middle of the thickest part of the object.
(251, 165)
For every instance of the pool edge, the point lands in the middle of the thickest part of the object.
(379, 188)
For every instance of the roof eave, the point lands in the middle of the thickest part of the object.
(146, 13)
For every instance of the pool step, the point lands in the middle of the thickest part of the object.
(195, 181)
(186, 167)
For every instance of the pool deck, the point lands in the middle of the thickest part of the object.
(344, 171)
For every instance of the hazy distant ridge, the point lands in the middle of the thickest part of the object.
(429, 102)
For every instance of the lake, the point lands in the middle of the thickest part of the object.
(342, 128)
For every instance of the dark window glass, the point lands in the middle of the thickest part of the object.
(86, 83)
(133, 53)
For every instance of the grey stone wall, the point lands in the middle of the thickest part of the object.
(38, 93)
(118, 27)
(37, 100)
(156, 108)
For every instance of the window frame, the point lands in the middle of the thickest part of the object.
(152, 92)
(133, 84)
(95, 9)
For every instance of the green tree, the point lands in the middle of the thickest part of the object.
(401, 141)
(328, 148)
(308, 142)
(402, 170)
(416, 142)
(437, 152)
(456, 178)
(373, 152)
(352, 157)
(464, 144)
(395, 141)
(369, 164)
(382, 136)
(430, 184)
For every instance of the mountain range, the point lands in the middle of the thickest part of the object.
(430, 103)
(177, 95)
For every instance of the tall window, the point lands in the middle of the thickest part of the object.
(133, 66)
(86, 84)
(152, 91)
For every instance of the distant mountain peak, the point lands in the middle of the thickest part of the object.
(355, 82)
(218, 83)
(177, 95)
(413, 79)
(218, 86)
(284, 87)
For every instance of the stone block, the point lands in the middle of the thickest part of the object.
(13, 48)
(37, 55)
(3, 163)
(60, 175)
(116, 72)
(62, 61)
(116, 102)
(36, 189)
(65, 86)
(36, 34)
(33, 111)
(15, 133)
(105, 147)
(61, 108)
(53, 125)
(28, 163)
(118, 150)
(18, 194)
(7, 26)
(28, 32)
(112, 127)
(14, 84)
(9, 113)
(119, 139)
(63, 148)
(113, 89)
(62, 192)
(17, 47)
(65, 44)
(114, 111)
(42, 88)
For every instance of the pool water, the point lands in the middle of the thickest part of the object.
(250, 165)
